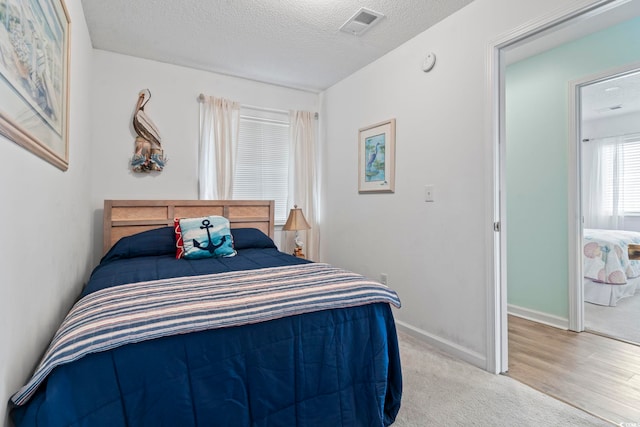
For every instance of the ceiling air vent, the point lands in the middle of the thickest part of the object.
(361, 21)
(607, 109)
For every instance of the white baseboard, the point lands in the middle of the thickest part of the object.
(538, 316)
(447, 346)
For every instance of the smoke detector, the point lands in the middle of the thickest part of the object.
(361, 21)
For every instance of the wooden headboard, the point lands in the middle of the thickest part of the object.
(126, 217)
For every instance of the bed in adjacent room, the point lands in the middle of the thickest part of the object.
(609, 273)
(252, 337)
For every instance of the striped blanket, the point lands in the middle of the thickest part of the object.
(141, 311)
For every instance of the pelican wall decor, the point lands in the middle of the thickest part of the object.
(148, 155)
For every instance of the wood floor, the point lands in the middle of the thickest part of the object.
(596, 374)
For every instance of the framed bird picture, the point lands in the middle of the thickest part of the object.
(376, 157)
(34, 77)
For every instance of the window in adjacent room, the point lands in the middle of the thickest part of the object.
(263, 159)
(621, 169)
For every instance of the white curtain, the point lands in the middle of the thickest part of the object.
(303, 186)
(219, 126)
(603, 174)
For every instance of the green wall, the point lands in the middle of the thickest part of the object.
(537, 129)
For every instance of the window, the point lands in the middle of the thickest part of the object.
(621, 169)
(263, 160)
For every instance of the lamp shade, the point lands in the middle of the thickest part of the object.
(296, 220)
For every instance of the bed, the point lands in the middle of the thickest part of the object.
(260, 338)
(609, 272)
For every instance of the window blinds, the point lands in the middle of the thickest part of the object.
(263, 161)
(621, 169)
(632, 176)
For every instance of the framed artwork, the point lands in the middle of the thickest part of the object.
(34, 77)
(376, 157)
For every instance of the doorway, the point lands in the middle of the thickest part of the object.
(562, 190)
(548, 244)
(609, 122)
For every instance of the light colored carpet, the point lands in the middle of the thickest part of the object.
(439, 390)
(622, 321)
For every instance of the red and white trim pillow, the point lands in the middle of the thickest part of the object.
(179, 241)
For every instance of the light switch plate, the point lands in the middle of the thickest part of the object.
(428, 193)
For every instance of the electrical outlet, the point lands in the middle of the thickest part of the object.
(383, 278)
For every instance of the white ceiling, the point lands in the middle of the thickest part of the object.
(293, 43)
(612, 97)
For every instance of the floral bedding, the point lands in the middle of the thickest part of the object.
(606, 256)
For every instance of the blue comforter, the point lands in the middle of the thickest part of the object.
(326, 368)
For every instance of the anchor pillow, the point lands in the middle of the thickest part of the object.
(204, 237)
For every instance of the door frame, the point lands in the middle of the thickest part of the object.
(576, 223)
(497, 333)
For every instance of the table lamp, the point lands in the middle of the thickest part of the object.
(296, 222)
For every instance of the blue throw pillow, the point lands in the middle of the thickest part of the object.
(206, 237)
(160, 241)
(246, 238)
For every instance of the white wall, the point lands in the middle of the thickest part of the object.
(41, 276)
(435, 254)
(174, 109)
(621, 124)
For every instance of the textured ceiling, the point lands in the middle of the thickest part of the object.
(294, 43)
